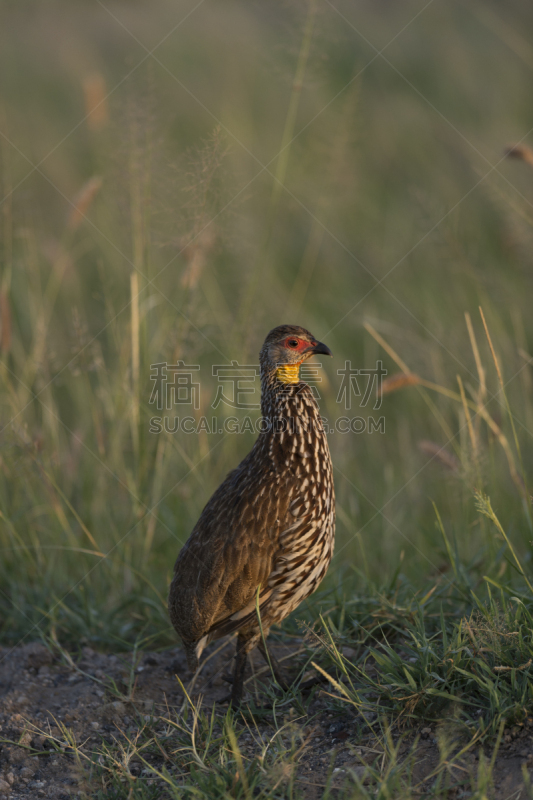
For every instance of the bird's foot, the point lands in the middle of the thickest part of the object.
(230, 700)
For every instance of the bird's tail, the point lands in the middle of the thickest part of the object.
(193, 651)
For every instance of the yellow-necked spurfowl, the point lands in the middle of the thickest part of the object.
(269, 527)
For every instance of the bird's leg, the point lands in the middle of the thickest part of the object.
(241, 657)
(273, 663)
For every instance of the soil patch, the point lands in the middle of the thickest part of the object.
(103, 699)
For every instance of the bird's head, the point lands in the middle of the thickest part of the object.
(288, 346)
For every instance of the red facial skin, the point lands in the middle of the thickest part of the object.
(302, 346)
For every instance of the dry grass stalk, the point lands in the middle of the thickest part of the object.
(403, 366)
(388, 349)
(508, 669)
(522, 478)
(481, 394)
(5, 323)
(521, 152)
(442, 390)
(95, 94)
(83, 201)
(440, 453)
(466, 410)
(525, 355)
(477, 358)
(399, 381)
(196, 254)
(493, 352)
(135, 356)
(292, 112)
(157, 488)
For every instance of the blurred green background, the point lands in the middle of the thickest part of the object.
(177, 178)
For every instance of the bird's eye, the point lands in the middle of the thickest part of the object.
(293, 342)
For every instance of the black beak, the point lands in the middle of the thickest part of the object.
(321, 349)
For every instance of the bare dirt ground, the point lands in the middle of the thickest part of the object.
(42, 697)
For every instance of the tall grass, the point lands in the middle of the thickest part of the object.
(135, 216)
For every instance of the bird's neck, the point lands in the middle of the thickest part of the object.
(279, 385)
(288, 373)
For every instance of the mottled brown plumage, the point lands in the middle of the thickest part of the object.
(269, 526)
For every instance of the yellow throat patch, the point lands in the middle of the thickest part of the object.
(288, 373)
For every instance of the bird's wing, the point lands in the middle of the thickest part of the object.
(241, 618)
(230, 553)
